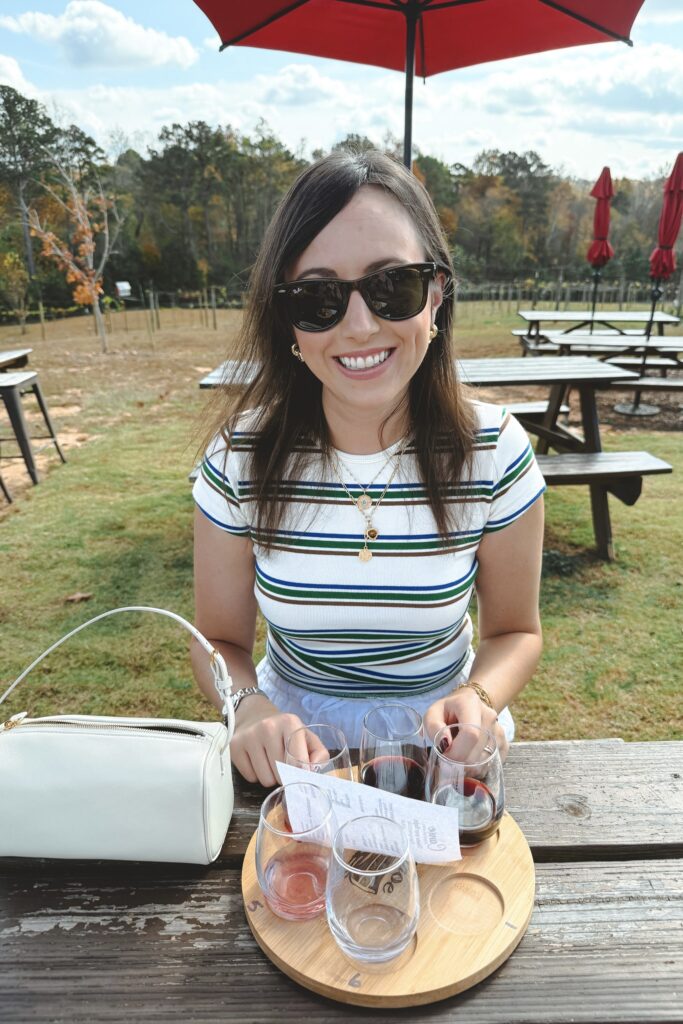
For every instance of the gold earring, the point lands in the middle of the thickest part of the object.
(296, 352)
(433, 331)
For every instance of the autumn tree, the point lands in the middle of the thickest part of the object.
(90, 220)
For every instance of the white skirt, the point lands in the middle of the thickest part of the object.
(347, 712)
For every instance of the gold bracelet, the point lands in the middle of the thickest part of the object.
(480, 692)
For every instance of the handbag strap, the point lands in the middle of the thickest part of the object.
(219, 670)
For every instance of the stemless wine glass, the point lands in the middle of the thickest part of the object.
(392, 754)
(312, 738)
(293, 850)
(373, 898)
(465, 771)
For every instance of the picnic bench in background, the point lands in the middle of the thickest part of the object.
(580, 459)
(155, 942)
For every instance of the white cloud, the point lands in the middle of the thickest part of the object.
(299, 85)
(660, 18)
(90, 33)
(11, 74)
(212, 42)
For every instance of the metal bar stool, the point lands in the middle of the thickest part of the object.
(12, 387)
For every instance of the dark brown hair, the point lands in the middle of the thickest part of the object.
(287, 398)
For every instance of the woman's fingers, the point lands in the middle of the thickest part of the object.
(317, 751)
(297, 744)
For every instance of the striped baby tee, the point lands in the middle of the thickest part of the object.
(397, 625)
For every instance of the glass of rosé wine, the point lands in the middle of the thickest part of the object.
(293, 850)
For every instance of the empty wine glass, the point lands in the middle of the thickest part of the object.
(392, 754)
(293, 850)
(373, 899)
(320, 748)
(465, 771)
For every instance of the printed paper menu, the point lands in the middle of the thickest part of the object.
(431, 828)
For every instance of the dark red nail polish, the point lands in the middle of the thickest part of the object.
(444, 744)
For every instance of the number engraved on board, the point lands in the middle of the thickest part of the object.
(254, 905)
(355, 981)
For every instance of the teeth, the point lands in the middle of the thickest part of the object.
(360, 363)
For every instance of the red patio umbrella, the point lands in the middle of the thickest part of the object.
(600, 251)
(662, 259)
(419, 36)
(662, 266)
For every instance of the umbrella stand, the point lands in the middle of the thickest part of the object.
(635, 408)
(596, 281)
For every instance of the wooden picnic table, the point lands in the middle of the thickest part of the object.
(558, 374)
(577, 319)
(14, 358)
(112, 942)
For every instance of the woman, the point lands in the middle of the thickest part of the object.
(357, 491)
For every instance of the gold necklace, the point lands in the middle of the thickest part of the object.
(364, 502)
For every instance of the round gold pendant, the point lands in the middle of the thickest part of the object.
(371, 533)
(365, 555)
(363, 502)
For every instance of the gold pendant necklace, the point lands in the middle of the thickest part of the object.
(364, 501)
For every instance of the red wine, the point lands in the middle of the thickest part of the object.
(478, 815)
(395, 774)
(295, 882)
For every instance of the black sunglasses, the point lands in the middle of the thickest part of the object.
(319, 303)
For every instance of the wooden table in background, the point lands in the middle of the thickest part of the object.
(165, 943)
(578, 319)
(14, 358)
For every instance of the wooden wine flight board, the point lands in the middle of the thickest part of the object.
(473, 913)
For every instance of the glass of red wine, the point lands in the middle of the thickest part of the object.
(393, 756)
(465, 771)
(320, 748)
(293, 849)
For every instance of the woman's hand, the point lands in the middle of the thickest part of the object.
(260, 737)
(465, 708)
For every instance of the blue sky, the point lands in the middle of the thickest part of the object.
(124, 68)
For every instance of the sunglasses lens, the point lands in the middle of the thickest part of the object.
(397, 293)
(315, 305)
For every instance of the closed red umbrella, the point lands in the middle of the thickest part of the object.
(600, 251)
(662, 266)
(419, 36)
(662, 259)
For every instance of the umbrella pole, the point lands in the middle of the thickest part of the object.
(596, 282)
(412, 16)
(635, 408)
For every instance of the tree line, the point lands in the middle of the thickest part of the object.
(189, 213)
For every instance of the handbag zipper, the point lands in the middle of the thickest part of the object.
(17, 720)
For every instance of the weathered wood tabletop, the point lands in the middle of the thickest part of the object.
(138, 943)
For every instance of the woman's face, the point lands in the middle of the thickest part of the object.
(373, 231)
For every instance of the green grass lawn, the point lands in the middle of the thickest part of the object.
(116, 522)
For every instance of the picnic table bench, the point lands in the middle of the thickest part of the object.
(84, 942)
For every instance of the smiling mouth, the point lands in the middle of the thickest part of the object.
(364, 363)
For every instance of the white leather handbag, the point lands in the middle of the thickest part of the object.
(95, 787)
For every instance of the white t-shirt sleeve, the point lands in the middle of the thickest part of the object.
(216, 489)
(517, 480)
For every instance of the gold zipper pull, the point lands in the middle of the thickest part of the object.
(13, 721)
